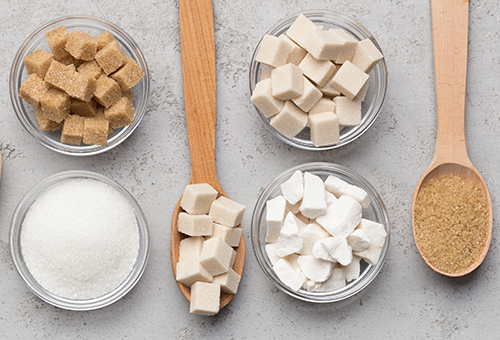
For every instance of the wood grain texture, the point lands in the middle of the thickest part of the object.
(450, 40)
(199, 79)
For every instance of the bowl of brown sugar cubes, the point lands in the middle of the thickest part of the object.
(318, 80)
(79, 85)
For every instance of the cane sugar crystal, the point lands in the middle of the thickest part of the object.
(80, 239)
(111, 57)
(81, 45)
(38, 62)
(72, 131)
(55, 105)
(95, 131)
(33, 89)
(128, 75)
(197, 198)
(106, 91)
(195, 225)
(227, 212)
(121, 113)
(205, 298)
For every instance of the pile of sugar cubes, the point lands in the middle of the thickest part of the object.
(207, 255)
(310, 65)
(316, 236)
(83, 86)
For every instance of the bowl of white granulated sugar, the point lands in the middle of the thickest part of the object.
(79, 240)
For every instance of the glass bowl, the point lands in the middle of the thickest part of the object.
(375, 212)
(16, 230)
(26, 113)
(375, 96)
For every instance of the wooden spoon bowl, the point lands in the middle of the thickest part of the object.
(198, 72)
(450, 31)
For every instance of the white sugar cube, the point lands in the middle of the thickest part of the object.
(315, 269)
(311, 234)
(358, 240)
(287, 274)
(263, 99)
(190, 271)
(348, 111)
(323, 105)
(195, 225)
(190, 247)
(228, 282)
(275, 214)
(341, 217)
(314, 200)
(271, 253)
(231, 236)
(328, 89)
(216, 255)
(272, 51)
(197, 198)
(362, 93)
(349, 47)
(233, 258)
(227, 212)
(290, 121)
(296, 54)
(318, 71)
(349, 80)
(324, 45)
(366, 56)
(290, 240)
(293, 188)
(338, 248)
(310, 96)
(324, 128)
(300, 29)
(266, 74)
(319, 252)
(340, 187)
(286, 81)
(335, 282)
(352, 270)
(205, 298)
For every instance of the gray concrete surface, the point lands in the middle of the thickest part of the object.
(407, 300)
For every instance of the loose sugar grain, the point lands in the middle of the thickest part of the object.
(80, 239)
(451, 222)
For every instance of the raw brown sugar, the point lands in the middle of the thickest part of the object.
(451, 222)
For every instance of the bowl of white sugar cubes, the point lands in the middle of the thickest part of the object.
(320, 232)
(79, 240)
(318, 80)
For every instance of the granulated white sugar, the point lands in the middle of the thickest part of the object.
(80, 239)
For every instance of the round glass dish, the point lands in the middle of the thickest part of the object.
(62, 302)
(375, 212)
(26, 113)
(375, 96)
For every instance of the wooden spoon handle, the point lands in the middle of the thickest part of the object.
(450, 30)
(198, 73)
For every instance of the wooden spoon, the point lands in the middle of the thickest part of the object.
(198, 72)
(450, 30)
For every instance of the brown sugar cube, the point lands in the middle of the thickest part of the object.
(121, 113)
(32, 89)
(55, 105)
(81, 45)
(38, 62)
(106, 91)
(90, 69)
(103, 39)
(128, 94)
(79, 86)
(95, 131)
(84, 109)
(57, 39)
(128, 75)
(45, 123)
(100, 115)
(58, 73)
(72, 130)
(111, 57)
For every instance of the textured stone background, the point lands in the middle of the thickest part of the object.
(407, 300)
